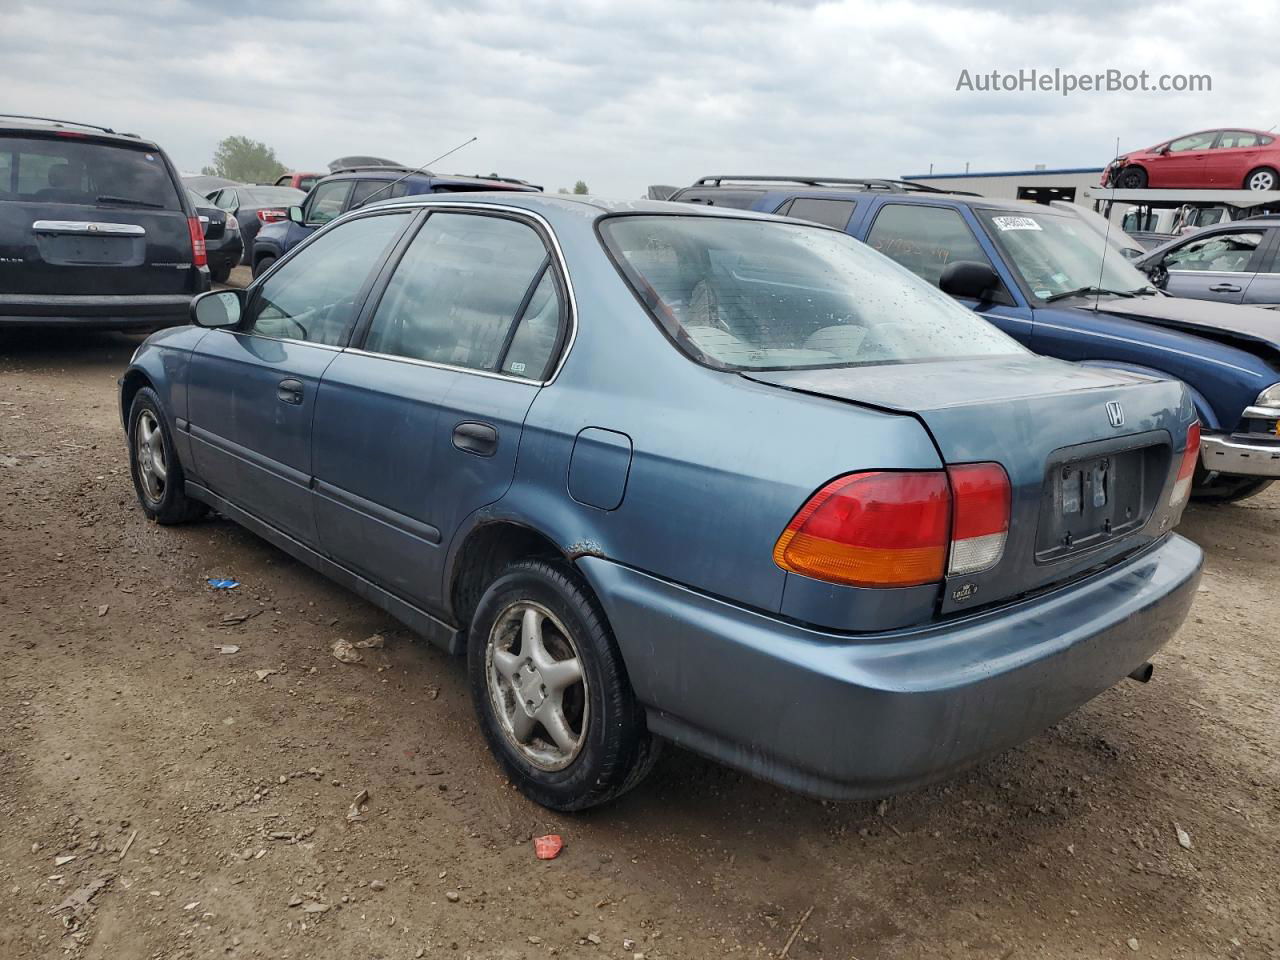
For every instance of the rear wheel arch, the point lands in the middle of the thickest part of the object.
(487, 550)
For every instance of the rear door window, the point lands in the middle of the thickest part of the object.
(371, 191)
(456, 292)
(58, 170)
(833, 213)
(924, 239)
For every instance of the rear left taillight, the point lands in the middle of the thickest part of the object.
(900, 528)
(878, 529)
(199, 256)
(980, 498)
(1187, 468)
(272, 216)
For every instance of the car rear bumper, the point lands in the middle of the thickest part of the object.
(1231, 455)
(857, 716)
(106, 312)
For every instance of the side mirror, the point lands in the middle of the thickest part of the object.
(969, 280)
(295, 214)
(217, 309)
(1163, 150)
(1157, 273)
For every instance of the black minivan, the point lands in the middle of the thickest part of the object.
(95, 230)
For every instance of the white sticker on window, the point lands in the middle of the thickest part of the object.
(1015, 223)
(517, 367)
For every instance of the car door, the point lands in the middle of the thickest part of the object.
(1234, 154)
(1264, 289)
(1185, 162)
(417, 425)
(925, 238)
(252, 389)
(1218, 265)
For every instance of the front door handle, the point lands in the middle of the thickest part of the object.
(289, 391)
(480, 439)
(1224, 288)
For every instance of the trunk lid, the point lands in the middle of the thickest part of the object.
(80, 216)
(1085, 492)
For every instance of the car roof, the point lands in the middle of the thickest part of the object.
(69, 128)
(553, 204)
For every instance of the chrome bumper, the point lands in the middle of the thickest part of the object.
(1227, 455)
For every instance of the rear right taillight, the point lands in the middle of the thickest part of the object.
(272, 216)
(199, 255)
(877, 529)
(1187, 468)
(980, 498)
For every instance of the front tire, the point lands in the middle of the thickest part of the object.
(1132, 178)
(1263, 178)
(154, 465)
(551, 691)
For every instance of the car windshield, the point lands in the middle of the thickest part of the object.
(763, 295)
(1056, 254)
(83, 171)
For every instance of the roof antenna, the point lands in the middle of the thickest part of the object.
(423, 169)
(1106, 238)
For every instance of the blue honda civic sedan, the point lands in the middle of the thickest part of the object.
(687, 474)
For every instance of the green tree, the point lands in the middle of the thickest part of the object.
(581, 187)
(239, 158)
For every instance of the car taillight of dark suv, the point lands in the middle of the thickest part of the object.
(94, 230)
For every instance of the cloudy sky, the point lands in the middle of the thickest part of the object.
(623, 95)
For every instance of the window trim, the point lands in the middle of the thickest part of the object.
(994, 262)
(253, 293)
(568, 334)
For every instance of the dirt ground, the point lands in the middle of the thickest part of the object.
(127, 731)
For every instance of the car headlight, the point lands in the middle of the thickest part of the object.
(1269, 397)
(232, 223)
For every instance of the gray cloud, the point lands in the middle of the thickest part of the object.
(627, 95)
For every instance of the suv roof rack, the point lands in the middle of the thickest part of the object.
(68, 123)
(380, 168)
(866, 183)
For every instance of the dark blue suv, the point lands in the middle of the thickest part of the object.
(1040, 274)
(353, 187)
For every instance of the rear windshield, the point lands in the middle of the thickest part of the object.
(764, 295)
(285, 196)
(65, 170)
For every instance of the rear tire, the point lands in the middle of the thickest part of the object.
(540, 648)
(1263, 178)
(220, 274)
(1225, 489)
(1132, 178)
(262, 265)
(154, 465)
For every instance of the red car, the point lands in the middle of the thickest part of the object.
(1229, 159)
(299, 181)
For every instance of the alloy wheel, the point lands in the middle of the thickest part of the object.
(153, 468)
(537, 685)
(1262, 180)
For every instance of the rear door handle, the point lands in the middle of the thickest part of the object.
(1225, 288)
(289, 391)
(480, 439)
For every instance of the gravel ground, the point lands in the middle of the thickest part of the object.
(205, 803)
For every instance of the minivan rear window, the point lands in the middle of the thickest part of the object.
(86, 172)
(763, 295)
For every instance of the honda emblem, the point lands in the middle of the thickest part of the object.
(1115, 413)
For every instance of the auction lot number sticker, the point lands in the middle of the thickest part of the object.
(1015, 223)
